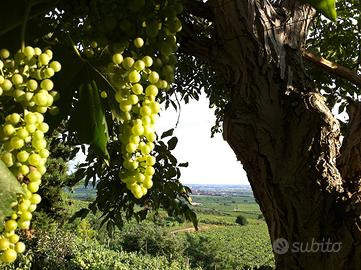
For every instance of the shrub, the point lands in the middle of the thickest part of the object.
(150, 239)
(241, 220)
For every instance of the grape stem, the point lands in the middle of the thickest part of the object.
(23, 29)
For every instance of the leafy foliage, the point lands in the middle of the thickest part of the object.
(9, 188)
(338, 42)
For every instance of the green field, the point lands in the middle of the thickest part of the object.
(220, 243)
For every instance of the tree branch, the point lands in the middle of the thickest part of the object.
(199, 9)
(194, 45)
(333, 68)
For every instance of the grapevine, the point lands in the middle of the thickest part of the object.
(25, 80)
(139, 67)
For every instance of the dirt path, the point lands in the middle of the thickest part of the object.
(191, 229)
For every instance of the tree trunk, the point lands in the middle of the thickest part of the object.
(284, 134)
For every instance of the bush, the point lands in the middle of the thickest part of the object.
(241, 220)
(150, 239)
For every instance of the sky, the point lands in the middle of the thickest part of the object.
(211, 160)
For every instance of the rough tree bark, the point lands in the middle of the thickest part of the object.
(282, 131)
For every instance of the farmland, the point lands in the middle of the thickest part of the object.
(159, 242)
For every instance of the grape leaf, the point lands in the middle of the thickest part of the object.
(326, 7)
(9, 188)
(88, 119)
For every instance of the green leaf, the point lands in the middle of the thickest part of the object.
(88, 119)
(9, 188)
(167, 133)
(172, 143)
(326, 7)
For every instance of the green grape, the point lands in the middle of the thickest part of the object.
(155, 107)
(22, 156)
(138, 130)
(103, 94)
(134, 76)
(145, 110)
(148, 61)
(32, 85)
(24, 224)
(149, 171)
(14, 238)
(20, 247)
(138, 42)
(151, 90)
(44, 59)
(9, 129)
(148, 183)
(150, 160)
(29, 51)
(117, 58)
(16, 142)
(6, 85)
(24, 170)
(10, 225)
(34, 186)
(137, 89)
(35, 199)
(133, 99)
(26, 216)
(34, 176)
(34, 159)
(32, 207)
(22, 133)
(4, 53)
(30, 118)
(47, 84)
(49, 72)
(128, 62)
(139, 65)
(17, 79)
(55, 65)
(9, 256)
(131, 147)
(153, 77)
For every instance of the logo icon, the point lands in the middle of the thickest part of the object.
(280, 246)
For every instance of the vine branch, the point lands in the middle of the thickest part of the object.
(334, 68)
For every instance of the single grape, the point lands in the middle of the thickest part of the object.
(10, 225)
(134, 76)
(9, 256)
(137, 89)
(148, 61)
(138, 42)
(4, 53)
(43, 59)
(55, 65)
(151, 90)
(17, 79)
(117, 58)
(29, 51)
(47, 84)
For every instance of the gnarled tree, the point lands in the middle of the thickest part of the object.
(281, 128)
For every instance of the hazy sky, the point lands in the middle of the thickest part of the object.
(211, 160)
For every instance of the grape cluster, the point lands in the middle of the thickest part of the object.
(137, 41)
(142, 66)
(25, 79)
